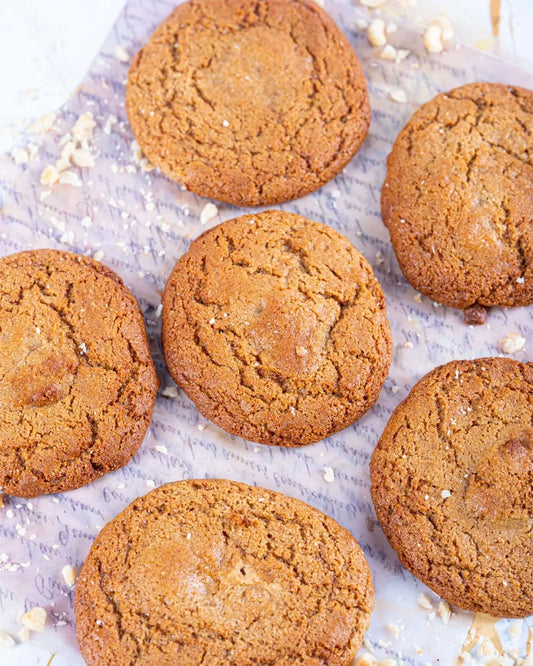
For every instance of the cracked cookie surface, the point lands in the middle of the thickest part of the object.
(251, 102)
(458, 197)
(77, 381)
(275, 327)
(221, 573)
(452, 484)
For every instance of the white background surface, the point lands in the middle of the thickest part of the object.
(47, 45)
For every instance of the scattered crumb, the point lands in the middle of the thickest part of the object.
(402, 55)
(417, 298)
(391, 28)
(424, 601)
(121, 54)
(444, 611)
(86, 222)
(520, 280)
(445, 494)
(170, 392)
(365, 659)
(376, 33)
(43, 124)
(150, 483)
(394, 628)
(389, 52)
(371, 4)
(418, 649)
(20, 156)
(225, 123)
(408, 344)
(68, 574)
(445, 26)
(110, 121)
(159, 310)
(161, 448)
(69, 178)
(361, 24)
(512, 343)
(24, 634)
(83, 127)
(398, 96)
(49, 175)
(388, 662)
(6, 640)
(208, 213)
(34, 619)
(395, 388)
(329, 475)
(433, 39)
(98, 256)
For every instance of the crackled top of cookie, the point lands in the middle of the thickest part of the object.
(275, 327)
(458, 197)
(77, 382)
(452, 484)
(248, 101)
(220, 572)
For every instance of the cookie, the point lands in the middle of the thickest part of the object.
(458, 198)
(238, 573)
(452, 484)
(77, 381)
(275, 327)
(251, 102)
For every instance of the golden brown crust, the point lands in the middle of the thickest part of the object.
(221, 573)
(251, 102)
(77, 381)
(275, 327)
(458, 197)
(452, 484)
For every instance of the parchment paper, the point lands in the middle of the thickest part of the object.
(140, 223)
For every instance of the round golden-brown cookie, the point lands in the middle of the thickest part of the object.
(458, 198)
(222, 573)
(275, 327)
(251, 102)
(77, 381)
(452, 484)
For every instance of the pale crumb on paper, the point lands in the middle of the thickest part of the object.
(424, 601)
(380, 259)
(98, 255)
(398, 96)
(110, 121)
(121, 54)
(83, 127)
(512, 343)
(159, 310)
(433, 39)
(20, 156)
(208, 213)
(361, 24)
(389, 52)
(365, 659)
(82, 157)
(444, 611)
(487, 648)
(388, 662)
(69, 575)
(417, 298)
(418, 649)
(42, 124)
(371, 4)
(402, 55)
(445, 494)
(161, 448)
(391, 28)
(86, 222)
(49, 175)
(70, 178)
(6, 640)
(394, 628)
(395, 388)
(514, 630)
(329, 474)
(376, 33)
(150, 483)
(23, 634)
(408, 344)
(34, 619)
(170, 392)
(446, 27)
